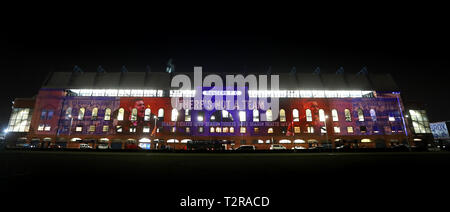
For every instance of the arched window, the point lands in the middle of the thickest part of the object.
(295, 115)
(321, 115)
(270, 130)
(120, 114)
(94, 114)
(174, 115)
(133, 114)
(282, 115)
(373, 114)
(269, 115)
(348, 115)
(360, 115)
(308, 115)
(334, 113)
(81, 113)
(107, 114)
(255, 115)
(147, 114)
(69, 113)
(242, 116)
(160, 113)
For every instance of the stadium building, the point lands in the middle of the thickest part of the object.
(133, 109)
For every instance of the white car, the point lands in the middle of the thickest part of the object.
(277, 147)
(103, 146)
(85, 146)
(298, 147)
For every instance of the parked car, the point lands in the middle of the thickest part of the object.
(277, 147)
(343, 147)
(54, 146)
(85, 146)
(246, 148)
(298, 147)
(103, 146)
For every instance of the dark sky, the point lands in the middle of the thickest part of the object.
(411, 43)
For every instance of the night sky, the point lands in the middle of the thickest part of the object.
(411, 43)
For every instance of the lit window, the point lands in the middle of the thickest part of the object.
(160, 113)
(391, 117)
(174, 114)
(211, 129)
(213, 118)
(174, 129)
(41, 127)
(187, 115)
(242, 116)
(119, 128)
(308, 115)
(120, 114)
(105, 128)
(360, 115)
(132, 129)
(323, 129)
(49, 114)
(269, 115)
(69, 113)
(133, 114)
(296, 129)
(321, 115)
(81, 113)
(146, 129)
(43, 114)
(94, 113)
(92, 128)
(310, 129)
(282, 115)
(231, 129)
(337, 130)
(349, 130)
(225, 130)
(242, 130)
(107, 114)
(420, 121)
(362, 129)
(348, 115)
(200, 116)
(200, 129)
(295, 115)
(188, 129)
(255, 115)
(373, 115)
(334, 114)
(365, 140)
(79, 129)
(218, 130)
(270, 130)
(147, 114)
(256, 130)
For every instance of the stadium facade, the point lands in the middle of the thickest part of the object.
(129, 109)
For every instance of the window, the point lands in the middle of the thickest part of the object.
(187, 115)
(118, 128)
(323, 129)
(49, 114)
(200, 116)
(350, 130)
(310, 129)
(188, 130)
(243, 130)
(174, 115)
(120, 114)
(133, 129)
(146, 129)
(362, 129)
(269, 115)
(391, 116)
(296, 129)
(334, 114)
(375, 129)
(360, 115)
(231, 129)
(161, 113)
(242, 116)
(308, 115)
(212, 118)
(255, 115)
(107, 114)
(81, 113)
(373, 115)
(20, 120)
(40, 127)
(174, 129)
(420, 121)
(92, 128)
(200, 129)
(321, 115)
(94, 113)
(256, 130)
(68, 113)
(282, 115)
(337, 129)
(348, 115)
(211, 129)
(43, 114)
(218, 130)
(295, 115)
(105, 128)
(133, 114)
(78, 128)
(225, 130)
(270, 130)
(147, 114)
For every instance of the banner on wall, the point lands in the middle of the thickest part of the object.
(439, 130)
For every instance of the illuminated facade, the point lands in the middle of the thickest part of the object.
(134, 108)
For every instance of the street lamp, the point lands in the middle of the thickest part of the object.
(326, 130)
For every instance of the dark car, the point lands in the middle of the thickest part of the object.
(246, 148)
(54, 146)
